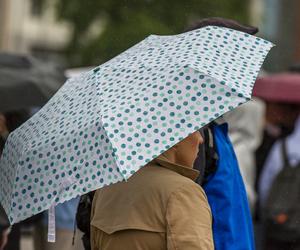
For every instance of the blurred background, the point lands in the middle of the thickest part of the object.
(79, 33)
(56, 39)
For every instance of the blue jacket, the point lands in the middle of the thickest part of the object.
(232, 223)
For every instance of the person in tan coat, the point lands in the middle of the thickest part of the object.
(159, 208)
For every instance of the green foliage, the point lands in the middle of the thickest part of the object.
(126, 22)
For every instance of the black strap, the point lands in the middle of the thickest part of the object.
(199, 163)
(211, 153)
(286, 162)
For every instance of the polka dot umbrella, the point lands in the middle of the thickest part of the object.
(104, 125)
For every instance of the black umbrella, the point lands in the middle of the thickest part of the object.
(26, 81)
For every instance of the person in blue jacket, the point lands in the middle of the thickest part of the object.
(225, 190)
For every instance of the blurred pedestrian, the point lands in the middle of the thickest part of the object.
(279, 232)
(280, 92)
(274, 162)
(159, 207)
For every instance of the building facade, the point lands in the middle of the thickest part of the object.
(26, 26)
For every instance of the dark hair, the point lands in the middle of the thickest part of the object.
(15, 118)
(222, 22)
(295, 68)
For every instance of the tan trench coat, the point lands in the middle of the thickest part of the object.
(159, 208)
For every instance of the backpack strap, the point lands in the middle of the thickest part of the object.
(211, 154)
(286, 162)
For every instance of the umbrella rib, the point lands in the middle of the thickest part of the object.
(114, 155)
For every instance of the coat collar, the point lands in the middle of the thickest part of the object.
(185, 171)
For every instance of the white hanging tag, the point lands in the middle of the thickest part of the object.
(51, 224)
(51, 212)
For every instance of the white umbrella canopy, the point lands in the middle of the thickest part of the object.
(104, 125)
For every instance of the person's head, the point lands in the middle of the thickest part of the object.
(185, 152)
(283, 115)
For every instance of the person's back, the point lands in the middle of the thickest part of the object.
(160, 207)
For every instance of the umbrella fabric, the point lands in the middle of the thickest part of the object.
(103, 126)
(283, 87)
(26, 82)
